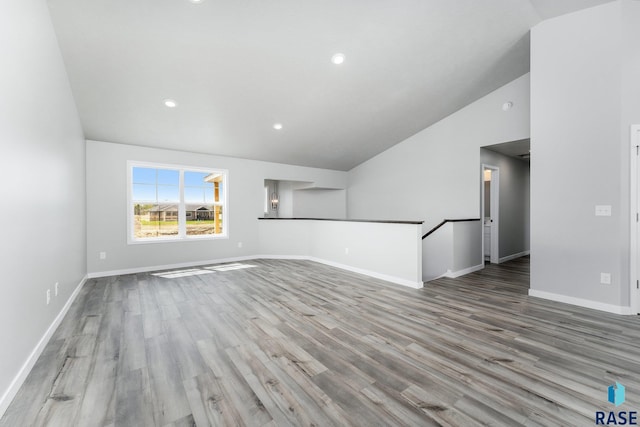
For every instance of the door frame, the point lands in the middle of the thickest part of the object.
(494, 191)
(634, 210)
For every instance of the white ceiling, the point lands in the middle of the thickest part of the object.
(236, 67)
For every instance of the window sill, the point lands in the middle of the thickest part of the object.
(176, 239)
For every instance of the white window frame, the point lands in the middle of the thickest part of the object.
(182, 234)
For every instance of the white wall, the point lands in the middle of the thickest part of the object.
(285, 237)
(467, 244)
(452, 250)
(391, 252)
(437, 253)
(107, 206)
(285, 194)
(42, 190)
(434, 174)
(585, 95)
(514, 211)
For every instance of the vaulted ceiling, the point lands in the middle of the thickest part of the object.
(237, 67)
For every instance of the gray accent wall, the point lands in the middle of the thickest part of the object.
(320, 203)
(305, 200)
(107, 206)
(42, 190)
(585, 95)
(435, 174)
(514, 215)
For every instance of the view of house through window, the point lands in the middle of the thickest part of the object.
(169, 203)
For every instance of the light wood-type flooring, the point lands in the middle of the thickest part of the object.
(283, 342)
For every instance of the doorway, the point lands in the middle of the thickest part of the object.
(491, 213)
(634, 276)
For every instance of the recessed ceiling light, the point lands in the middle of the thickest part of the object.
(338, 58)
(170, 103)
(277, 126)
(196, 1)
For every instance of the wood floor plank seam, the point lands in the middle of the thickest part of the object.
(291, 342)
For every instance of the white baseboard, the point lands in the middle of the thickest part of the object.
(24, 371)
(388, 278)
(166, 267)
(392, 279)
(609, 308)
(295, 257)
(513, 256)
(453, 274)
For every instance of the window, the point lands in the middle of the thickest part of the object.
(176, 203)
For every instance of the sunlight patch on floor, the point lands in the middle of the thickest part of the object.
(174, 274)
(230, 267)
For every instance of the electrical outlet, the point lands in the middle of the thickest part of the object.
(239, 244)
(103, 255)
(55, 290)
(346, 251)
(605, 278)
(48, 296)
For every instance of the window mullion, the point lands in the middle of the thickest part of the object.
(182, 215)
